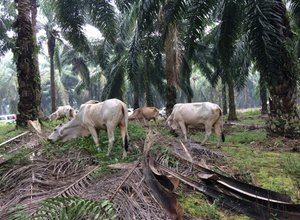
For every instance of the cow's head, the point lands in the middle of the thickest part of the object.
(67, 132)
(172, 123)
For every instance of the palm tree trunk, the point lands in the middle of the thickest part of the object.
(136, 103)
(232, 109)
(224, 98)
(263, 95)
(283, 117)
(51, 49)
(28, 76)
(148, 93)
(170, 68)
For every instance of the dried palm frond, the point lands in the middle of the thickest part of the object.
(26, 186)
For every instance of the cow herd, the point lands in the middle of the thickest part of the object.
(94, 115)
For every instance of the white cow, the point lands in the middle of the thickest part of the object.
(194, 114)
(65, 111)
(93, 117)
(92, 101)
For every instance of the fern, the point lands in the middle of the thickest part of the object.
(70, 208)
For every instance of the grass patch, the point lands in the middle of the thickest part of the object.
(9, 130)
(245, 136)
(250, 113)
(265, 169)
(135, 132)
(198, 206)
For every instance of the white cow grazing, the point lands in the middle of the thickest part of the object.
(209, 114)
(93, 117)
(65, 111)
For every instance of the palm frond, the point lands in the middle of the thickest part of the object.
(70, 15)
(148, 9)
(70, 208)
(269, 32)
(125, 5)
(115, 79)
(40, 180)
(133, 65)
(174, 10)
(295, 9)
(103, 17)
(197, 18)
(230, 25)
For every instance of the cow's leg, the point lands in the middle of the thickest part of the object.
(183, 129)
(208, 128)
(94, 134)
(111, 137)
(124, 139)
(218, 133)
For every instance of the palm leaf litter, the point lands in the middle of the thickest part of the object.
(144, 189)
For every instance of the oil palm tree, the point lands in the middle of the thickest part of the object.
(26, 60)
(52, 35)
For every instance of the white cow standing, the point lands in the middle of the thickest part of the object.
(209, 114)
(65, 111)
(93, 117)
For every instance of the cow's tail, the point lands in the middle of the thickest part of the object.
(125, 122)
(221, 122)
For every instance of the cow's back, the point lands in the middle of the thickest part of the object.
(150, 112)
(196, 113)
(99, 114)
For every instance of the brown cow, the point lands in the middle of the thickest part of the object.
(144, 113)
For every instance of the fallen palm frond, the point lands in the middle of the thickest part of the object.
(41, 180)
(14, 138)
(247, 189)
(160, 186)
(255, 209)
(42, 188)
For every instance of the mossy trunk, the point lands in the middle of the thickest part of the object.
(283, 117)
(26, 60)
(232, 109)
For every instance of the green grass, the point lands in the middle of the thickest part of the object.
(8, 130)
(86, 144)
(198, 206)
(270, 170)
